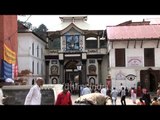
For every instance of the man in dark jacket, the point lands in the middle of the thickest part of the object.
(146, 97)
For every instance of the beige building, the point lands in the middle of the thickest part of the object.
(75, 42)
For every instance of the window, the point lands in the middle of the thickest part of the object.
(42, 68)
(120, 57)
(103, 44)
(33, 67)
(72, 42)
(32, 48)
(91, 43)
(37, 67)
(149, 57)
(92, 61)
(41, 52)
(56, 43)
(37, 51)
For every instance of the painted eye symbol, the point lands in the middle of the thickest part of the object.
(130, 77)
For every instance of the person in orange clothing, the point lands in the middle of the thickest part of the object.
(64, 97)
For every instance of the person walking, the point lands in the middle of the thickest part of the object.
(123, 96)
(34, 95)
(104, 90)
(133, 95)
(114, 95)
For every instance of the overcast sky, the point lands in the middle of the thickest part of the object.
(97, 20)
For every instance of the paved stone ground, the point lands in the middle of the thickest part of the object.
(128, 100)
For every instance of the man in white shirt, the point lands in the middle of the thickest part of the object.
(120, 89)
(34, 95)
(1, 95)
(86, 90)
(114, 95)
(104, 90)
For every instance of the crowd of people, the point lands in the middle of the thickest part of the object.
(102, 92)
(142, 97)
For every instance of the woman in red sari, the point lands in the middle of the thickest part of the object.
(64, 97)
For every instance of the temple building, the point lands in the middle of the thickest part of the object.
(76, 42)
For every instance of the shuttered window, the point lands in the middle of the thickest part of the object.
(149, 57)
(120, 57)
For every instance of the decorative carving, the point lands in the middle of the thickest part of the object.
(130, 77)
(92, 69)
(120, 76)
(54, 70)
(134, 61)
(53, 51)
(54, 81)
(92, 81)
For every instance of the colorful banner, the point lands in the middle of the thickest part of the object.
(14, 71)
(9, 55)
(7, 70)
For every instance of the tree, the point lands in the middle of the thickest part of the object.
(41, 31)
(27, 24)
(42, 28)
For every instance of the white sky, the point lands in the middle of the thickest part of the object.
(101, 21)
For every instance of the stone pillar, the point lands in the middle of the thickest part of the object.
(47, 72)
(84, 72)
(61, 77)
(84, 44)
(98, 42)
(99, 71)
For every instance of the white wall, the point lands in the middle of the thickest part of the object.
(124, 71)
(112, 58)
(24, 63)
(23, 44)
(157, 57)
(25, 56)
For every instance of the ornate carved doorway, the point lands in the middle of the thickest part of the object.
(70, 71)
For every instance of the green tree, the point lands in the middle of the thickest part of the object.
(41, 31)
(27, 24)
